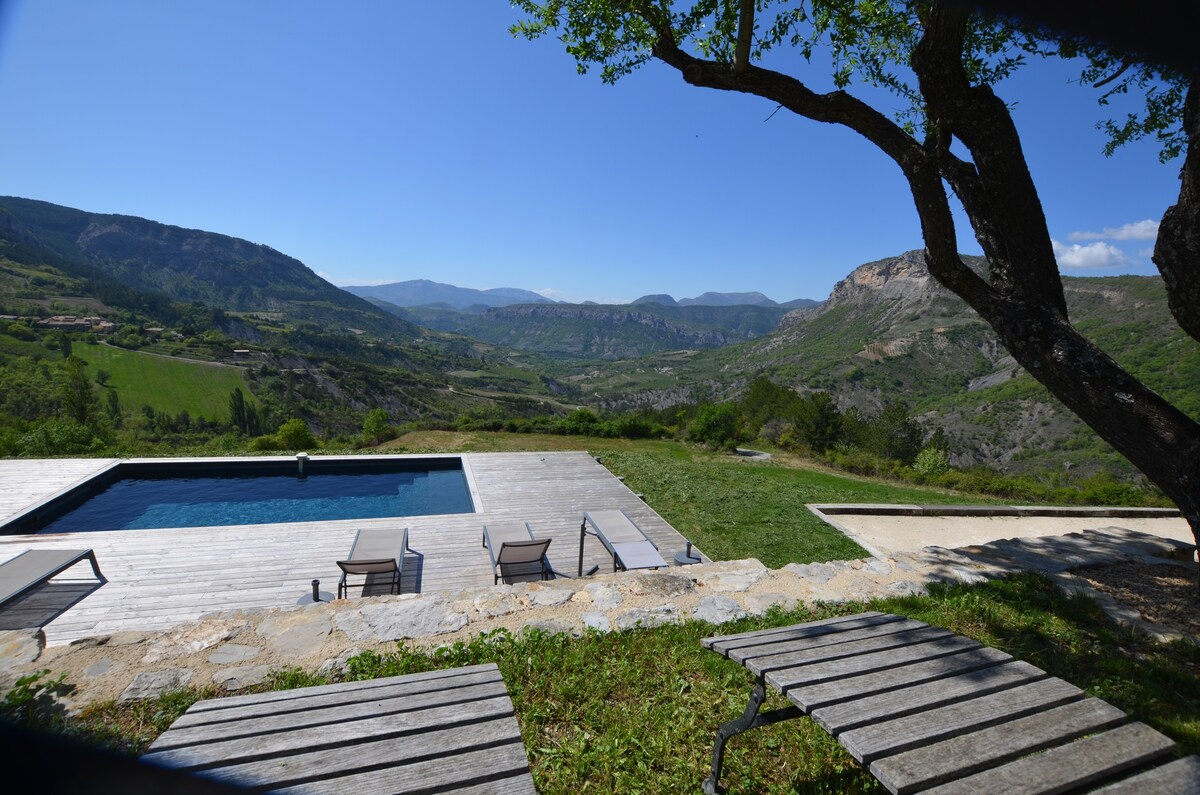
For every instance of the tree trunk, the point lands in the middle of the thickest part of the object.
(1177, 250)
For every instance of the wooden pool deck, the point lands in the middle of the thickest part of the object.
(161, 578)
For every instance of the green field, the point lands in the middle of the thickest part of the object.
(169, 385)
(729, 507)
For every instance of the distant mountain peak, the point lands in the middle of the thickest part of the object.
(657, 298)
(423, 292)
(728, 299)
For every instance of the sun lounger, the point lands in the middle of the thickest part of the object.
(35, 566)
(624, 540)
(376, 551)
(516, 553)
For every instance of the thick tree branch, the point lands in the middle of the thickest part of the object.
(1017, 245)
(1177, 249)
(839, 107)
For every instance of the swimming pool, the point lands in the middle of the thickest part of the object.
(167, 494)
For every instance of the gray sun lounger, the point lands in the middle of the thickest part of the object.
(376, 551)
(35, 566)
(625, 541)
(515, 552)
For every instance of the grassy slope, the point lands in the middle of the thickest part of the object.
(169, 385)
(727, 506)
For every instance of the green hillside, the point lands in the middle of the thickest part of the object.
(169, 385)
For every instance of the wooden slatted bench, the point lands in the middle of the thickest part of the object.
(925, 710)
(443, 731)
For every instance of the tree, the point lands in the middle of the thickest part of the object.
(295, 435)
(78, 394)
(958, 138)
(818, 422)
(237, 411)
(715, 425)
(376, 428)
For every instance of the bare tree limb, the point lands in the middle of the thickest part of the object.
(741, 56)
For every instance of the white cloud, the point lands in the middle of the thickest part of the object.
(1097, 256)
(1138, 230)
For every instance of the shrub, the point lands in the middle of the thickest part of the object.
(716, 426)
(295, 435)
(932, 461)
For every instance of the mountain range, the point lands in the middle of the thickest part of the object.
(886, 332)
(436, 295)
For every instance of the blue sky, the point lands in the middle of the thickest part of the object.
(386, 141)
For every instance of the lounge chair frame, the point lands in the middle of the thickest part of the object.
(630, 549)
(33, 567)
(365, 567)
(515, 558)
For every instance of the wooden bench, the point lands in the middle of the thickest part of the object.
(925, 710)
(443, 731)
(35, 566)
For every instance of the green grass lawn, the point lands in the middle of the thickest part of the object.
(729, 507)
(169, 385)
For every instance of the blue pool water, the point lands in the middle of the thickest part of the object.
(144, 502)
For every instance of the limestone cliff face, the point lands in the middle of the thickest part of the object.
(900, 284)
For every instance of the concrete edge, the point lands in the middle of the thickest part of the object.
(869, 509)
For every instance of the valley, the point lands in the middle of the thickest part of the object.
(177, 302)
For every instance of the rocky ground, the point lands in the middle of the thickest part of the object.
(233, 650)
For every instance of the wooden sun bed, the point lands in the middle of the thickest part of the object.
(441, 731)
(929, 711)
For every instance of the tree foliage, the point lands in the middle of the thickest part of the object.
(955, 138)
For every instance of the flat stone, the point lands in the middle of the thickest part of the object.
(551, 626)
(233, 653)
(717, 609)
(102, 667)
(549, 597)
(191, 639)
(647, 617)
(814, 572)
(597, 621)
(759, 603)
(906, 588)
(296, 633)
(242, 676)
(337, 665)
(877, 566)
(604, 596)
(152, 684)
(494, 605)
(19, 648)
(419, 617)
(829, 596)
(659, 584)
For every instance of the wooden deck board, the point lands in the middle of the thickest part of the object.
(447, 731)
(949, 715)
(159, 578)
